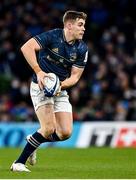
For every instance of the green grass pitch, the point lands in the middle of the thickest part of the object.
(64, 163)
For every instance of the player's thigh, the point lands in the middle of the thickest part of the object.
(44, 106)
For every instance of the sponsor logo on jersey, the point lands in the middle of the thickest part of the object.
(49, 58)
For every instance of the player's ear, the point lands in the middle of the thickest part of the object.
(69, 25)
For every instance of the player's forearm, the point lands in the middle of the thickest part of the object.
(69, 82)
(73, 79)
(30, 55)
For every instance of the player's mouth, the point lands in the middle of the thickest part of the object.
(81, 34)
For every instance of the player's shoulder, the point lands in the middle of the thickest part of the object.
(55, 32)
(51, 33)
(82, 46)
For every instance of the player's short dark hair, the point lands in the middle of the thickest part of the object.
(73, 15)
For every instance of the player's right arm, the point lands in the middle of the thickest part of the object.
(29, 51)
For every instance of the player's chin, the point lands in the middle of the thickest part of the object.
(80, 37)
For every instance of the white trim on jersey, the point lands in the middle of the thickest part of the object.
(86, 57)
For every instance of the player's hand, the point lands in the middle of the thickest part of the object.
(40, 78)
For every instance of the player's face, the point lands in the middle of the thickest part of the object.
(78, 28)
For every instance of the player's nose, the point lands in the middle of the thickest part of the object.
(83, 29)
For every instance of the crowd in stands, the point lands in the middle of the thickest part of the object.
(107, 89)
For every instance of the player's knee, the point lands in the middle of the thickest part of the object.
(65, 134)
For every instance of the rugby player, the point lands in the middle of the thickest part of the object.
(63, 52)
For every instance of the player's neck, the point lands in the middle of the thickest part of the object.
(68, 37)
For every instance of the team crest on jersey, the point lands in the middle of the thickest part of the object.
(55, 50)
(73, 56)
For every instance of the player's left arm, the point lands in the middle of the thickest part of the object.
(77, 70)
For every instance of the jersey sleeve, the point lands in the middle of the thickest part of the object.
(82, 58)
(44, 39)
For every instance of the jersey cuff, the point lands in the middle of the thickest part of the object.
(78, 66)
(38, 42)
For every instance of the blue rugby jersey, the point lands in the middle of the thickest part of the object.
(58, 56)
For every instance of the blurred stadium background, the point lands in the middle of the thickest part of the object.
(104, 101)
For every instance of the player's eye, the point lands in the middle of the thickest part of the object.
(80, 24)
